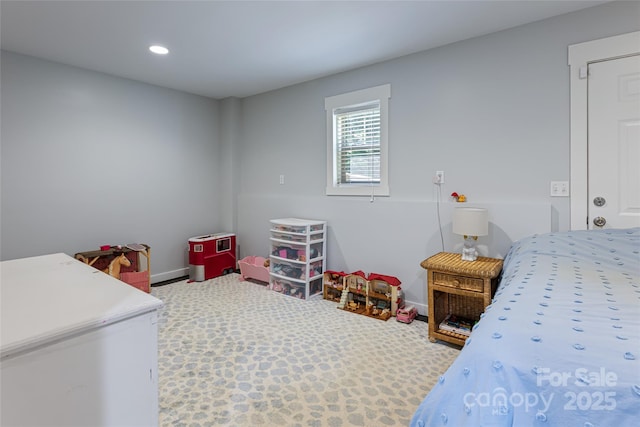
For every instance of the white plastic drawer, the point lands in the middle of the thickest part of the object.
(287, 269)
(294, 238)
(287, 287)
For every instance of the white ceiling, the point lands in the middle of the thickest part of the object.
(241, 48)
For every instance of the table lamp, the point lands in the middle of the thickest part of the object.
(470, 223)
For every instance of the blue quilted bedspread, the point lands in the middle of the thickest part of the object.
(560, 343)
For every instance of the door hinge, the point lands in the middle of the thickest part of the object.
(583, 72)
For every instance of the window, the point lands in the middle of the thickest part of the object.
(357, 146)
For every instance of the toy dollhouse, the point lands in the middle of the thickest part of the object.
(375, 295)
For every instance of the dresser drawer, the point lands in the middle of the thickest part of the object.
(458, 282)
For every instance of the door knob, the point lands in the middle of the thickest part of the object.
(599, 201)
(599, 221)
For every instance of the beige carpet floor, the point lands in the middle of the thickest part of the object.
(234, 353)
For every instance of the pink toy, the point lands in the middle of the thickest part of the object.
(137, 279)
(252, 267)
(406, 314)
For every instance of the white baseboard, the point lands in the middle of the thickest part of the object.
(422, 308)
(168, 275)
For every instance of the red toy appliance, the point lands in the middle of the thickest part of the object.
(211, 256)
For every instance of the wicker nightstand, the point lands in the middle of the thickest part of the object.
(462, 288)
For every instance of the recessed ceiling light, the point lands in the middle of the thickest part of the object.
(160, 50)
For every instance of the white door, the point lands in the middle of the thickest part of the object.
(614, 143)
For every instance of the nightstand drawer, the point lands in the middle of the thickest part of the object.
(458, 282)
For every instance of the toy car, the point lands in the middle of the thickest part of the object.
(406, 314)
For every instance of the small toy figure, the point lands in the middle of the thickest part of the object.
(460, 198)
(368, 308)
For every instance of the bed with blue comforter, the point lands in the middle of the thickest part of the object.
(560, 343)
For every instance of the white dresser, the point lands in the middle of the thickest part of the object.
(77, 347)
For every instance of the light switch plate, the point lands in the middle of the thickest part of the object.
(559, 189)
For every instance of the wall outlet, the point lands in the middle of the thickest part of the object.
(439, 178)
(281, 179)
(559, 189)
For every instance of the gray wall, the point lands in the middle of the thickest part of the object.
(492, 112)
(90, 159)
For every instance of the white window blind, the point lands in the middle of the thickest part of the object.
(357, 139)
(357, 142)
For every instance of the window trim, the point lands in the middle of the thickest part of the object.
(378, 93)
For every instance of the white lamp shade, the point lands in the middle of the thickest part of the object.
(471, 221)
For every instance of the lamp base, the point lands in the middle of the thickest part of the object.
(469, 252)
